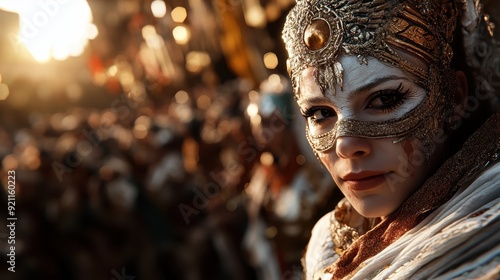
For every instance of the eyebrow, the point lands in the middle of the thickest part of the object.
(377, 81)
(314, 100)
(366, 87)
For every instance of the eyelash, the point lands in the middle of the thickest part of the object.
(311, 111)
(399, 93)
(308, 114)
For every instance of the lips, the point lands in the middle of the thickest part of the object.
(364, 180)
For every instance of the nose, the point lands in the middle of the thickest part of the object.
(349, 147)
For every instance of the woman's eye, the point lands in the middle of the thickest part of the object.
(384, 101)
(317, 115)
(387, 101)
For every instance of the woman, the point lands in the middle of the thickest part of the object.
(389, 89)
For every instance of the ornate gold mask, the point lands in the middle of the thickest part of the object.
(318, 31)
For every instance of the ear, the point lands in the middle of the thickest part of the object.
(462, 90)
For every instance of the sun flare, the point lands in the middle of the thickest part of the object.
(53, 29)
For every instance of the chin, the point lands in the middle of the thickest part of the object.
(374, 214)
(373, 209)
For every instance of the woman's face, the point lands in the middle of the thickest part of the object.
(376, 175)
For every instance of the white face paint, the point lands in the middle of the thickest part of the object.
(374, 92)
(376, 175)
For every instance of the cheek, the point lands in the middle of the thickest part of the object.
(410, 160)
(408, 148)
(412, 168)
(328, 159)
(412, 157)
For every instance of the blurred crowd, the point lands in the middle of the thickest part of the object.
(212, 184)
(159, 156)
(156, 154)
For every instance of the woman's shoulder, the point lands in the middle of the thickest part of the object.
(320, 252)
(331, 236)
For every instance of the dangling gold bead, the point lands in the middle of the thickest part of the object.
(317, 34)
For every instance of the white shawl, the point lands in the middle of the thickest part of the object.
(460, 239)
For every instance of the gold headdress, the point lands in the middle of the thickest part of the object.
(318, 31)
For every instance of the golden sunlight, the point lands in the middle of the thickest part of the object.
(53, 29)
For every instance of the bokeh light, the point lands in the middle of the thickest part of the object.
(141, 127)
(255, 15)
(181, 35)
(203, 102)
(53, 29)
(270, 60)
(10, 162)
(179, 14)
(158, 8)
(148, 31)
(181, 97)
(253, 96)
(252, 110)
(196, 61)
(300, 159)
(267, 159)
(4, 91)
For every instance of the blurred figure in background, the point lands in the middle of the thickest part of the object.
(286, 193)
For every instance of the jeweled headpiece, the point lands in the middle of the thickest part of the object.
(317, 32)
